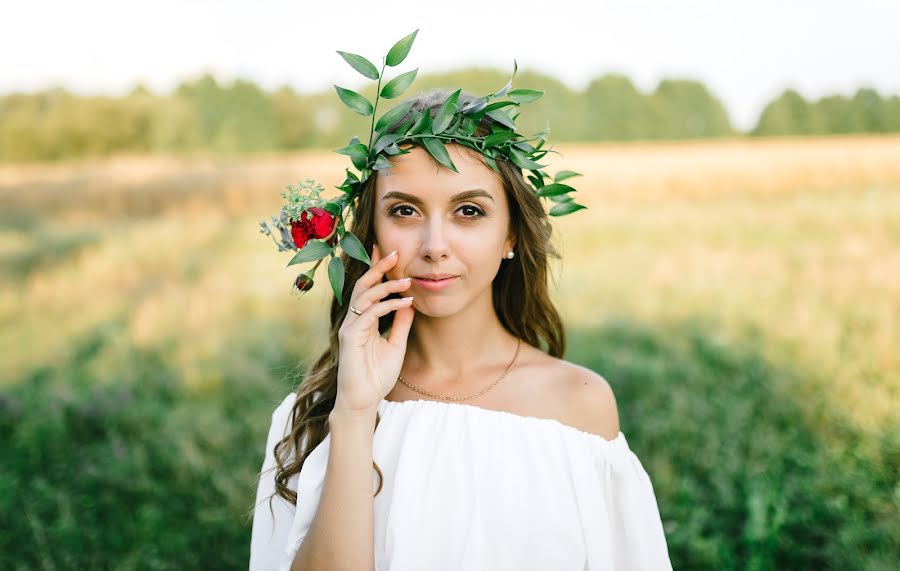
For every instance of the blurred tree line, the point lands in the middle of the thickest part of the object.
(205, 115)
(865, 112)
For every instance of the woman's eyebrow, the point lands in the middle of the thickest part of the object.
(466, 194)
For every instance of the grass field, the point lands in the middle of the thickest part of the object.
(741, 296)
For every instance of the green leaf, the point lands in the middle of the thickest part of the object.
(522, 161)
(310, 252)
(492, 163)
(400, 50)
(404, 127)
(436, 149)
(522, 145)
(382, 163)
(498, 105)
(357, 152)
(360, 64)
(445, 113)
(525, 95)
(541, 175)
(398, 85)
(499, 138)
(354, 248)
(554, 189)
(454, 126)
(506, 87)
(563, 175)
(393, 115)
(333, 207)
(423, 125)
(499, 116)
(393, 149)
(474, 105)
(336, 277)
(385, 141)
(470, 125)
(355, 101)
(560, 198)
(564, 208)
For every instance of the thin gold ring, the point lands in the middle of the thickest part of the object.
(356, 311)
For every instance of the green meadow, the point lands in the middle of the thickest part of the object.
(741, 296)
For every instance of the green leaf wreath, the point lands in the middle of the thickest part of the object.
(313, 225)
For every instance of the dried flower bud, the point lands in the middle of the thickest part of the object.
(303, 282)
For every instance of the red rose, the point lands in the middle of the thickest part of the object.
(299, 233)
(322, 225)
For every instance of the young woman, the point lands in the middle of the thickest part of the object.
(436, 432)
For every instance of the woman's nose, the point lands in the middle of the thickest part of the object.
(434, 242)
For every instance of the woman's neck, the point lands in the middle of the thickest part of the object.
(454, 351)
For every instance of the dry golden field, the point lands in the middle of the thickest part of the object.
(794, 240)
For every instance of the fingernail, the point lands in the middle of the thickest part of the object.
(406, 298)
(392, 253)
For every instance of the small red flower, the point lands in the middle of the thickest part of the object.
(323, 224)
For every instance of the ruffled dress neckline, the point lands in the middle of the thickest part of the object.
(532, 421)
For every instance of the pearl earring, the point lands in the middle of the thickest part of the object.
(510, 255)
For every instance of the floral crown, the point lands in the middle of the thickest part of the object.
(313, 225)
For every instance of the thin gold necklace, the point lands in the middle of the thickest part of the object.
(481, 392)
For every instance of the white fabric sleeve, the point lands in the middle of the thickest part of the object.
(270, 527)
(635, 526)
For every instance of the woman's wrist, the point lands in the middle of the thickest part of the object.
(341, 417)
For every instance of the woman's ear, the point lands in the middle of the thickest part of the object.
(511, 241)
(510, 247)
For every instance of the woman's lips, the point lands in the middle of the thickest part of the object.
(434, 285)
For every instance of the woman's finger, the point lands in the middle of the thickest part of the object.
(359, 286)
(400, 326)
(380, 291)
(373, 275)
(380, 309)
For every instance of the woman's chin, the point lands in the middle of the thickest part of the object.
(436, 307)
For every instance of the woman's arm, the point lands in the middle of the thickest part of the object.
(341, 535)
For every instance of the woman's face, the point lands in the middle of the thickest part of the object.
(442, 222)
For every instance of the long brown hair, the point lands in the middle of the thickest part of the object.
(520, 295)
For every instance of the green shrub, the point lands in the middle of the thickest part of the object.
(137, 472)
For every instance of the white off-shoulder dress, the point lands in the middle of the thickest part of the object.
(468, 488)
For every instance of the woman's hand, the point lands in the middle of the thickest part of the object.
(368, 364)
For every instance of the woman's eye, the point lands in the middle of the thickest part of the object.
(478, 211)
(469, 210)
(397, 208)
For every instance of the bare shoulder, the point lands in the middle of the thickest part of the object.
(587, 401)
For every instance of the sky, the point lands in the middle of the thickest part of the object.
(746, 53)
